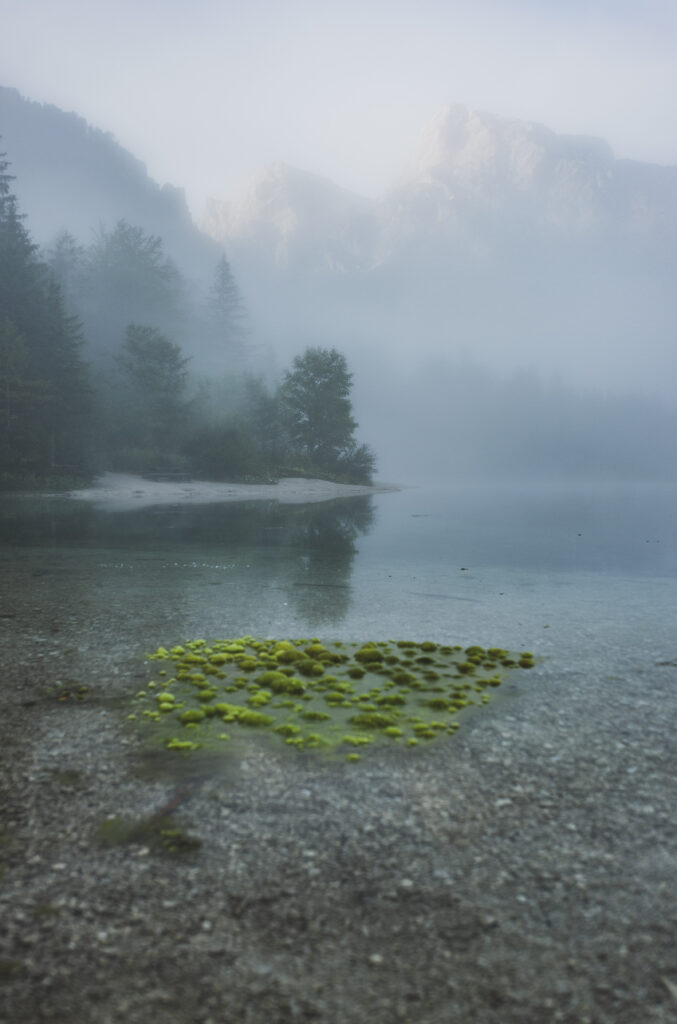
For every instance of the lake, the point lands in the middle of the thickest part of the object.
(522, 871)
(579, 573)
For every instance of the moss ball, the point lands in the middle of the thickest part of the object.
(193, 715)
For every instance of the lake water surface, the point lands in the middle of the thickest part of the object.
(583, 573)
(530, 860)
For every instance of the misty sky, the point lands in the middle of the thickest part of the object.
(206, 92)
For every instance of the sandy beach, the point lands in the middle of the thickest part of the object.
(118, 492)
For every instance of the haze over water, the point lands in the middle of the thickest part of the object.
(585, 573)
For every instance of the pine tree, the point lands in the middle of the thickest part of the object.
(43, 379)
(128, 278)
(67, 260)
(226, 315)
(22, 396)
(21, 275)
(155, 375)
(67, 404)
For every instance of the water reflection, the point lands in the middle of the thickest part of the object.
(304, 551)
(470, 564)
(327, 535)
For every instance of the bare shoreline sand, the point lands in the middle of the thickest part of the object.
(123, 491)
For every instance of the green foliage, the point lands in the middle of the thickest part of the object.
(21, 393)
(224, 452)
(154, 365)
(357, 464)
(67, 260)
(317, 413)
(127, 278)
(147, 411)
(65, 413)
(225, 315)
(234, 430)
(44, 391)
(59, 417)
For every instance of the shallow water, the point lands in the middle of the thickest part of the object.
(581, 573)
(534, 847)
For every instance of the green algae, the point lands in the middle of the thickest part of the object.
(379, 694)
(155, 832)
(373, 720)
(193, 715)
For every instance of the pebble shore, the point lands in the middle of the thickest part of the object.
(522, 872)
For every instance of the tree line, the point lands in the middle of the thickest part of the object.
(95, 372)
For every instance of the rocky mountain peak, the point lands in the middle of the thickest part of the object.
(284, 212)
(498, 162)
(287, 199)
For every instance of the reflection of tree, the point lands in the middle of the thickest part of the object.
(326, 535)
(305, 551)
(35, 521)
(321, 592)
(332, 525)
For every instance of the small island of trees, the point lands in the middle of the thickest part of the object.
(94, 373)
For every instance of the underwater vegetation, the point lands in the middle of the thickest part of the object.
(309, 695)
(157, 832)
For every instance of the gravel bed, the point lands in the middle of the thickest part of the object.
(524, 871)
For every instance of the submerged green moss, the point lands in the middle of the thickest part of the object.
(369, 655)
(376, 693)
(156, 832)
(373, 720)
(193, 715)
(287, 729)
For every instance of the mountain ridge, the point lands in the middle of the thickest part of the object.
(62, 163)
(501, 239)
(471, 162)
(497, 305)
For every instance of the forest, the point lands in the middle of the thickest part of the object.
(95, 371)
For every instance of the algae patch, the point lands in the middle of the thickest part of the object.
(307, 694)
(158, 833)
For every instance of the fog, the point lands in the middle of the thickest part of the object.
(305, 245)
(500, 283)
(206, 95)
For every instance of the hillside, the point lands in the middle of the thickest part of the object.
(507, 307)
(74, 176)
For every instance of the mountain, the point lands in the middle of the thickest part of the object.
(570, 184)
(295, 219)
(73, 176)
(507, 307)
(474, 174)
(503, 241)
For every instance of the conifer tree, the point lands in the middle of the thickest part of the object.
(155, 375)
(66, 405)
(43, 379)
(21, 398)
(226, 315)
(21, 275)
(128, 278)
(67, 260)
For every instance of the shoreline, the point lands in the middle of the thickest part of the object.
(121, 492)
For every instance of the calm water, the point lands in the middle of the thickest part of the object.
(586, 570)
